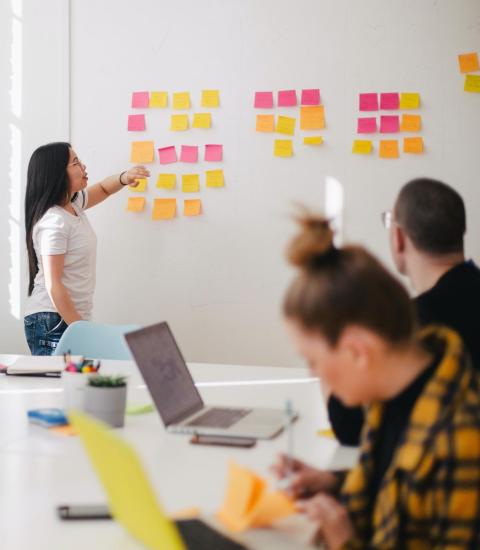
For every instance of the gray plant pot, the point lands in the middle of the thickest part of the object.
(106, 404)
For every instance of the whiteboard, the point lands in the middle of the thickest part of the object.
(219, 279)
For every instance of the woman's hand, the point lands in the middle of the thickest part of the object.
(132, 176)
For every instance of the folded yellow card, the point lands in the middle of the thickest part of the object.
(286, 125)
(164, 209)
(265, 123)
(136, 204)
(388, 149)
(158, 99)
(215, 178)
(181, 100)
(202, 120)
(190, 183)
(166, 181)
(179, 123)
(312, 117)
(283, 148)
(362, 147)
(210, 98)
(141, 152)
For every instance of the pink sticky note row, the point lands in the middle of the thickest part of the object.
(390, 101)
(389, 124)
(368, 102)
(140, 100)
(310, 96)
(167, 155)
(287, 98)
(189, 153)
(136, 123)
(263, 100)
(366, 125)
(213, 152)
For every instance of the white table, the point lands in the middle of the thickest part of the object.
(39, 469)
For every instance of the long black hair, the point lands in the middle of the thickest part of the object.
(47, 186)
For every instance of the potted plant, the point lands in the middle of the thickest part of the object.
(105, 398)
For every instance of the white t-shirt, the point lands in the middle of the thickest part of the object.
(60, 232)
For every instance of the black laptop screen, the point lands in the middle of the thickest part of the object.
(165, 372)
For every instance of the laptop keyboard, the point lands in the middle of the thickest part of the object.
(197, 535)
(219, 418)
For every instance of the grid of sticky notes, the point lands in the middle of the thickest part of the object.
(168, 181)
(468, 65)
(387, 115)
(308, 109)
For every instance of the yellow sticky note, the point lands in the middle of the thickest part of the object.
(215, 178)
(265, 123)
(312, 140)
(362, 147)
(411, 123)
(142, 152)
(413, 145)
(409, 100)
(158, 99)
(192, 207)
(141, 186)
(202, 120)
(166, 181)
(327, 432)
(164, 209)
(472, 83)
(181, 100)
(136, 204)
(388, 148)
(312, 117)
(190, 183)
(131, 498)
(178, 123)
(468, 62)
(210, 98)
(283, 148)
(286, 125)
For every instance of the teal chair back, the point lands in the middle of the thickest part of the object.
(95, 341)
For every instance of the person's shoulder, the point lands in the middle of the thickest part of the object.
(54, 218)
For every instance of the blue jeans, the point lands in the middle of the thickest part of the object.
(43, 331)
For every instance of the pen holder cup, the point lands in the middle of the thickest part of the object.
(107, 404)
(74, 384)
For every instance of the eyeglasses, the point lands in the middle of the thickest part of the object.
(77, 162)
(386, 219)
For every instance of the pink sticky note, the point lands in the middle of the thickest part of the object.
(367, 125)
(389, 101)
(389, 124)
(368, 102)
(189, 153)
(213, 153)
(167, 155)
(136, 123)
(287, 98)
(140, 100)
(311, 96)
(263, 100)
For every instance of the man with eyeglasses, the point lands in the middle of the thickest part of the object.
(427, 226)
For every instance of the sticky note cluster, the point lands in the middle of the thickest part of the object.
(165, 209)
(387, 122)
(212, 152)
(468, 64)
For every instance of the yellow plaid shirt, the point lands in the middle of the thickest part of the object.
(429, 497)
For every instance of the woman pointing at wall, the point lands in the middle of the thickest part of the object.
(61, 243)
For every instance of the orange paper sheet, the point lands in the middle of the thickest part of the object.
(142, 152)
(468, 62)
(312, 117)
(413, 145)
(388, 149)
(411, 123)
(265, 123)
(192, 207)
(136, 204)
(164, 209)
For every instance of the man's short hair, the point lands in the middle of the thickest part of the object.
(432, 214)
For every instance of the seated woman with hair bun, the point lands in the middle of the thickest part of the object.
(417, 481)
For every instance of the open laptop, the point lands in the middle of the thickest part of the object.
(177, 399)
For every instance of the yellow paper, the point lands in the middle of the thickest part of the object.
(141, 186)
(362, 147)
(215, 178)
(413, 145)
(202, 120)
(158, 99)
(312, 140)
(142, 152)
(181, 100)
(388, 149)
(468, 62)
(166, 181)
(164, 209)
(283, 148)
(136, 204)
(472, 83)
(312, 117)
(210, 98)
(411, 123)
(131, 498)
(271, 507)
(190, 183)
(192, 207)
(328, 432)
(178, 123)
(286, 125)
(409, 101)
(265, 123)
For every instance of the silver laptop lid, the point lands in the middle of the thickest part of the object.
(165, 372)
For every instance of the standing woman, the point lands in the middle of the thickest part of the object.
(61, 243)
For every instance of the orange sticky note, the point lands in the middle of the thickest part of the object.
(136, 204)
(192, 207)
(271, 507)
(67, 430)
(164, 209)
(388, 148)
(413, 145)
(142, 152)
(468, 62)
(312, 117)
(265, 123)
(411, 123)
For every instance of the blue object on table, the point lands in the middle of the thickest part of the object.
(48, 418)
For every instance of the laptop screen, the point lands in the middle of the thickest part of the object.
(165, 372)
